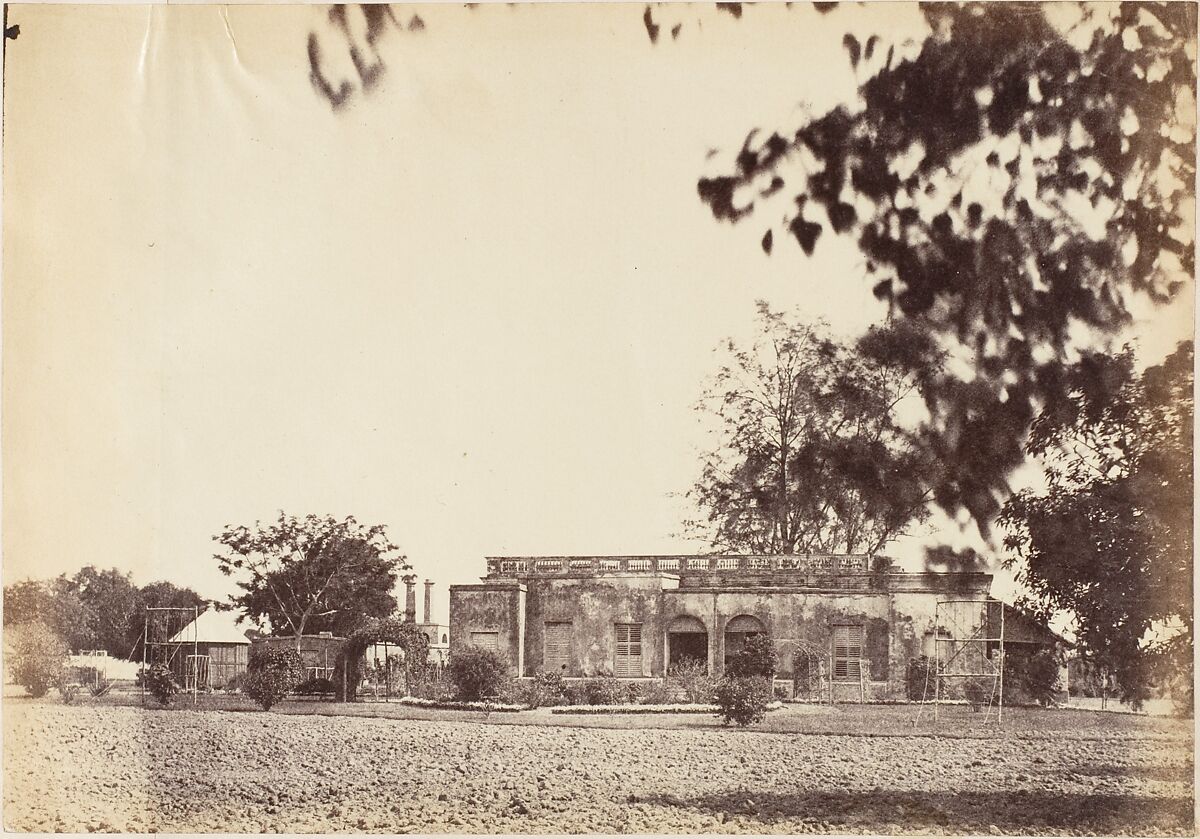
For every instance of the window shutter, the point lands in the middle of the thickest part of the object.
(847, 652)
(628, 662)
(557, 647)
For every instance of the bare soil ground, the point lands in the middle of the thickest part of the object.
(108, 768)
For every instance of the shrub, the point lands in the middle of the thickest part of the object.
(543, 690)
(757, 657)
(432, 690)
(1031, 677)
(272, 674)
(782, 693)
(976, 694)
(38, 659)
(101, 687)
(315, 687)
(235, 683)
(160, 683)
(577, 693)
(743, 699)
(690, 678)
(663, 693)
(604, 690)
(476, 672)
(918, 681)
(636, 693)
(68, 692)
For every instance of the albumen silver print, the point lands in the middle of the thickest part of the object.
(599, 418)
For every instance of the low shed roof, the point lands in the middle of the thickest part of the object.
(212, 627)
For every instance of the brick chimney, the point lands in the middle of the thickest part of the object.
(410, 599)
(428, 600)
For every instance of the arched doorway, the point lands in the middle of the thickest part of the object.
(413, 647)
(687, 643)
(737, 630)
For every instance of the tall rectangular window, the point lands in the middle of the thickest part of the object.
(556, 654)
(847, 652)
(629, 650)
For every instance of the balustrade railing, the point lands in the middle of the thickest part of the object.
(804, 563)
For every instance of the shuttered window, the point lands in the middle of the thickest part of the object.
(557, 653)
(629, 650)
(847, 652)
(487, 640)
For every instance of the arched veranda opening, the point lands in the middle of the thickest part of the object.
(687, 643)
(737, 631)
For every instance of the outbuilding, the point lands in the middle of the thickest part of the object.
(212, 649)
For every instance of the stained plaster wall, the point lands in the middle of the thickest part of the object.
(898, 617)
(495, 607)
(593, 605)
(897, 611)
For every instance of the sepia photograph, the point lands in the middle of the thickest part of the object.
(599, 418)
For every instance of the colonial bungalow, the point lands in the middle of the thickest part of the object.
(844, 628)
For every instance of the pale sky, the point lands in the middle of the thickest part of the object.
(477, 305)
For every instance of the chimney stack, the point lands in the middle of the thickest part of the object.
(428, 600)
(410, 599)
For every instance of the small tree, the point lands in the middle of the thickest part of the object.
(312, 574)
(757, 657)
(39, 657)
(476, 672)
(743, 699)
(271, 675)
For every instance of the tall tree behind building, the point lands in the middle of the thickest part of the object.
(810, 456)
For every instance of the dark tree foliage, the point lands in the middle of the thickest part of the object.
(53, 603)
(162, 594)
(343, 53)
(94, 609)
(1110, 538)
(811, 458)
(1010, 187)
(112, 606)
(757, 657)
(312, 574)
(1031, 676)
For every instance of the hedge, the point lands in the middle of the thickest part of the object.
(645, 709)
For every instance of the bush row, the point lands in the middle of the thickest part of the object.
(1029, 678)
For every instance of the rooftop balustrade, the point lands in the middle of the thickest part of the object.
(508, 567)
